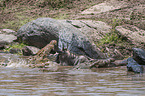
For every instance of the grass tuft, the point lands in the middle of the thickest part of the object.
(112, 37)
(17, 46)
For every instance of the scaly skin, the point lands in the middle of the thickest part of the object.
(47, 48)
(41, 55)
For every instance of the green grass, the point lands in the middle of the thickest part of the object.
(116, 22)
(18, 46)
(111, 37)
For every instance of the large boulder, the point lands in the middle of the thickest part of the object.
(94, 30)
(140, 24)
(139, 55)
(39, 32)
(42, 30)
(132, 33)
(2, 44)
(29, 50)
(9, 38)
(106, 6)
(15, 50)
(8, 31)
(134, 66)
(76, 42)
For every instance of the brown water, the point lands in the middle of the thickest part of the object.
(23, 81)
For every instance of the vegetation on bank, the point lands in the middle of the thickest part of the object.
(15, 46)
(15, 13)
(113, 36)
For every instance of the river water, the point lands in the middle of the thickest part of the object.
(24, 81)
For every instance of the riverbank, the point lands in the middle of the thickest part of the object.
(130, 12)
(115, 28)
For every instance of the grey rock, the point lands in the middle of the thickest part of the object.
(9, 38)
(134, 66)
(42, 30)
(2, 44)
(140, 24)
(139, 55)
(39, 32)
(132, 33)
(8, 31)
(15, 50)
(75, 41)
(29, 50)
(94, 30)
(106, 6)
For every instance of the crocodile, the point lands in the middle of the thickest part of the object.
(43, 54)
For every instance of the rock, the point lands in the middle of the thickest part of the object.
(132, 33)
(39, 32)
(8, 31)
(106, 6)
(134, 63)
(7, 38)
(14, 50)
(29, 50)
(42, 30)
(76, 42)
(134, 66)
(2, 44)
(139, 55)
(94, 30)
(140, 24)
(47, 49)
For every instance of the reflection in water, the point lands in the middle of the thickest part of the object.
(32, 82)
